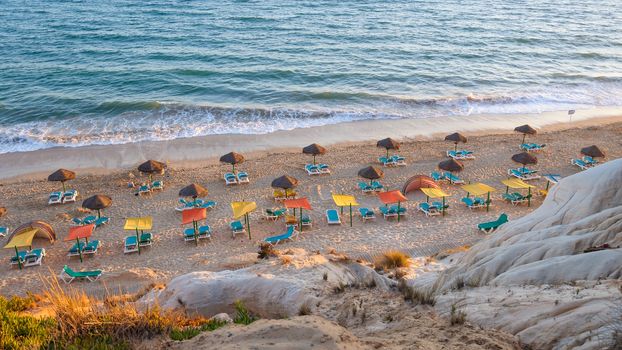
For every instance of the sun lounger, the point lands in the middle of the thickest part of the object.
(230, 179)
(515, 198)
(243, 178)
(525, 176)
(439, 206)
(70, 196)
(398, 160)
(273, 214)
(101, 221)
(437, 176)
(453, 179)
(590, 161)
(91, 247)
(290, 234)
(130, 245)
(386, 161)
(204, 232)
(306, 221)
(377, 186)
(76, 249)
(367, 214)
(460, 155)
(387, 212)
(290, 194)
(68, 275)
(29, 258)
(89, 220)
(580, 163)
(332, 217)
(427, 209)
(493, 225)
(144, 189)
(279, 195)
(365, 187)
(146, 239)
(532, 147)
(3, 231)
(236, 227)
(473, 202)
(157, 185)
(312, 169)
(55, 198)
(34, 257)
(324, 169)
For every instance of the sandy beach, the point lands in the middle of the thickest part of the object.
(26, 199)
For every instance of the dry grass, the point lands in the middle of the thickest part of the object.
(457, 317)
(445, 253)
(286, 259)
(392, 260)
(266, 251)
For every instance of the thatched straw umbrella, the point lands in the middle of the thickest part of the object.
(525, 130)
(456, 138)
(285, 182)
(62, 175)
(233, 159)
(151, 167)
(314, 149)
(451, 165)
(592, 151)
(371, 173)
(97, 202)
(388, 144)
(193, 190)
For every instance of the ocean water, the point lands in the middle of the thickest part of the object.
(98, 72)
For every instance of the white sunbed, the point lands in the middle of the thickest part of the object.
(230, 179)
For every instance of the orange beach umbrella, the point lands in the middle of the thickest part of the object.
(77, 232)
(391, 197)
(299, 203)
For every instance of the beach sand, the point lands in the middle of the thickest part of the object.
(26, 199)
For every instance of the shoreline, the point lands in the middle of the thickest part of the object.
(204, 150)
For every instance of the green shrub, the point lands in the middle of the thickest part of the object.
(242, 315)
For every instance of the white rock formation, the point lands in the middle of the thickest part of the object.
(275, 288)
(536, 279)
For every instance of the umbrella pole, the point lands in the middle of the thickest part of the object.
(300, 221)
(468, 194)
(529, 198)
(524, 137)
(196, 233)
(455, 146)
(63, 182)
(350, 214)
(398, 211)
(488, 202)
(547, 185)
(248, 226)
(99, 214)
(19, 262)
(443, 207)
(314, 159)
(233, 168)
(137, 241)
(79, 249)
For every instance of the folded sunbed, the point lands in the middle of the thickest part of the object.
(243, 177)
(55, 198)
(68, 275)
(230, 179)
(493, 225)
(289, 234)
(70, 196)
(332, 217)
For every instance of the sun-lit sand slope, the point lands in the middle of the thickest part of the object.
(170, 255)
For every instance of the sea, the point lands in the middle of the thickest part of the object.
(76, 73)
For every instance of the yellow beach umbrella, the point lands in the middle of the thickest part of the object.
(138, 223)
(345, 200)
(24, 239)
(243, 209)
(518, 184)
(478, 189)
(435, 193)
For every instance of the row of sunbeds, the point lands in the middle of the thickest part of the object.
(60, 197)
(236, 178)
(148, 188)
(317, 169)
(585, 162)
(395, 160)
(197, 203)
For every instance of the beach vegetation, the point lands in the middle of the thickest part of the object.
(456, 317)
(304, 310)
(266, 251)
(75, 320)
(391, 260)
(416, 295)
(242, 314)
